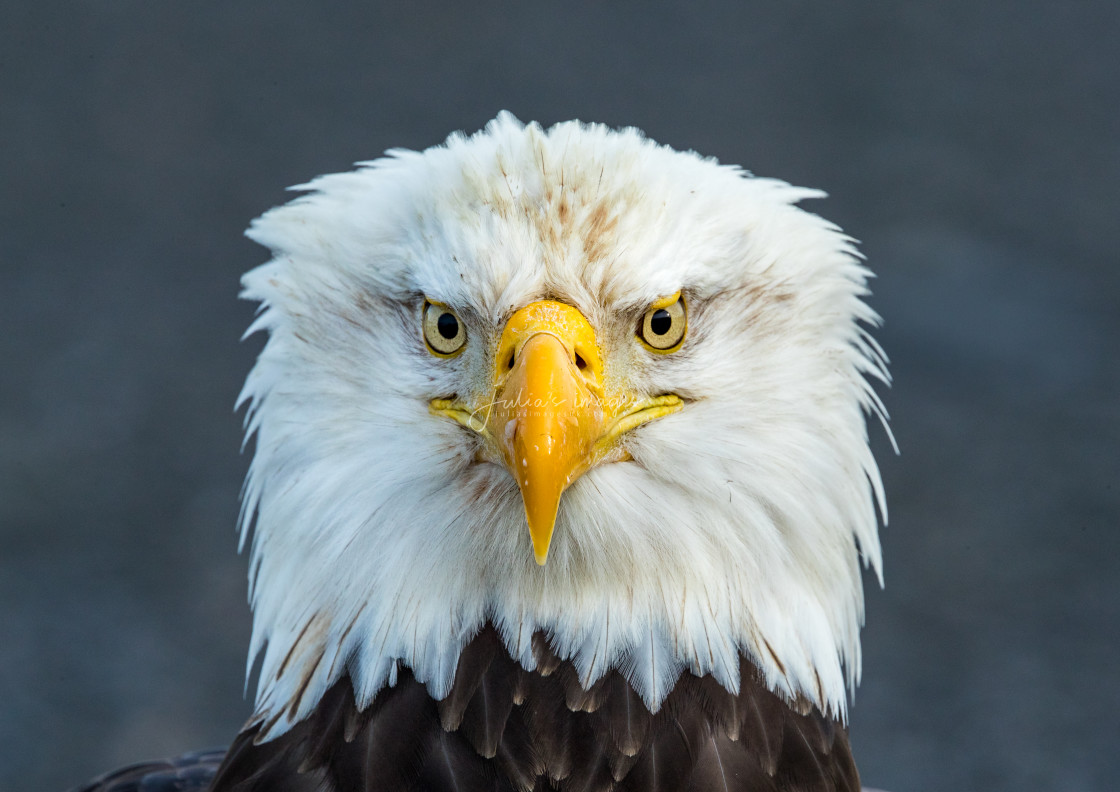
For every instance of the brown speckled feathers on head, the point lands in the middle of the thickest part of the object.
(504, 728)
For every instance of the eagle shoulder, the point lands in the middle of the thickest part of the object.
(190, 772)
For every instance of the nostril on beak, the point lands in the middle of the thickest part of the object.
(581, 364)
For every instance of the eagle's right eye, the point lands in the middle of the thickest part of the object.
(443, 331)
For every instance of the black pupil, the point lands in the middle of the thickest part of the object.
(660, 322)
(447, 325)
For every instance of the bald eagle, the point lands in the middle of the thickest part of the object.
(561, 477)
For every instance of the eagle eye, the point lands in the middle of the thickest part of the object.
(664, 324)
(443, 331)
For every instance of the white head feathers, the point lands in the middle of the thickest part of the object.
(380, 541)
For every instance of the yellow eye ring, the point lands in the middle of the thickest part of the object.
(444, 332)
(664, 325)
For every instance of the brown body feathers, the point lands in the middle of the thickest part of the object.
(503, 728)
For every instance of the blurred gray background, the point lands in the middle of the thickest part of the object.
(973, 147)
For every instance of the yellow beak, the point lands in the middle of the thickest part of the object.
(548, 414)
(550, 421)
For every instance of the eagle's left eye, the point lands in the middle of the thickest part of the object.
(663, 326)
(443, 331)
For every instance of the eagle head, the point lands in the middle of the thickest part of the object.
(569, 383)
